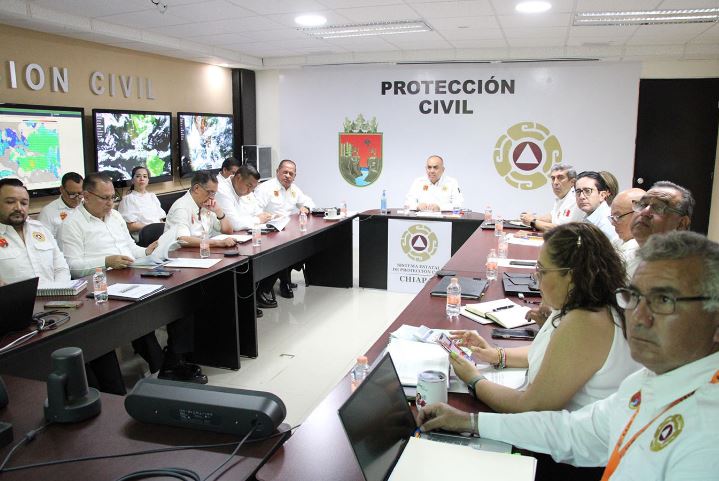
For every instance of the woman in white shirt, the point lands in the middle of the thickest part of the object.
(140, 207)
(580, 354)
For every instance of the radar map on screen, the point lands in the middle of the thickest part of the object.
(127, 139)
(205, 141)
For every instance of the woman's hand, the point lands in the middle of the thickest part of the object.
(464, 368)
(481, 349)
(444, 416)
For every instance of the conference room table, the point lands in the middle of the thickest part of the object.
(112, 432)
(319, 449)
(221, 298)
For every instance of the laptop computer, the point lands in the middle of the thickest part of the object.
(379, 423)
(17, 302)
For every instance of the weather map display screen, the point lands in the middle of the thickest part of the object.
(125, 139)
(205, 141)
(39, 144)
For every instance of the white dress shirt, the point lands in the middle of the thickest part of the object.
(565, 210)
(144, 208)
(190, 220)
(445, 193)
(686, 451)
(600, 218)
(54, 214)
(38, 256)
(628, 252)
(86, 240)
(272, 197)
(241, 211)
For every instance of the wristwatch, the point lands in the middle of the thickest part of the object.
(472, 383)
(533, 224)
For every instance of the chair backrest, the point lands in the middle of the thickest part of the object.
(150, 233)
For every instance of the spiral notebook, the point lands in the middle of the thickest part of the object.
(68, 288)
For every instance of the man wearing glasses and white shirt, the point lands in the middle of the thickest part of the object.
(57, 211)
(591, 192)
(665, 207)
(621, 218)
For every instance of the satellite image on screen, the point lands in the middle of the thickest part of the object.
(125, 140)
(30, 151)
(205, 141)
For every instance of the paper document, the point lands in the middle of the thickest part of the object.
(166, 243)
(192, 262)
(411, 358)
(238, 237)
(529, 241)
(132, 292)
(279, 223)
(425, 460)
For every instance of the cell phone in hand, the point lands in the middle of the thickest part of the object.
(524, 334)
(450, 346)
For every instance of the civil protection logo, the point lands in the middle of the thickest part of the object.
(360, 151)
(419, 243)
(667, 432)
(525, 154)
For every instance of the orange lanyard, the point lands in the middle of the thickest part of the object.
(619, 450)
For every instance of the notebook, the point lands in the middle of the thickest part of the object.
(514, 283)
(17, 301)
(471, 288)
(504, 312)
(380, 426)
(69, 288)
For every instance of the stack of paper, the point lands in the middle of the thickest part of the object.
(411, 358)
(132, 292)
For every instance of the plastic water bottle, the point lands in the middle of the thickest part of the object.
(383, 202)
(503, 246)
(204, 245)
(256, 235)
(488, 214)
(99, 284)
(343, 209)
(303, 221)
(498, 226)
(491, 265)
(359, 372)
(454, 299)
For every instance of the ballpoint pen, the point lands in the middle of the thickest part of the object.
(501, 308)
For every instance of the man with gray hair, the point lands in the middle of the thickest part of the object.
(665, 207)
(662, 422)
(565, 208)
(621, 218)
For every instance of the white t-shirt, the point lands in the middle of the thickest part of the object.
(275, 199)
(144, 208)
(445, 193)
(565, 210)
(600, 218)
(54, 214)
(241, 211)
(190, 220)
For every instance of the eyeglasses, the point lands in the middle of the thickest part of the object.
(615, 218)
(74, 196)
(587, 191)
(657, 303)
(659, 207)
(211, 193)
(112, 198)
(540, 271)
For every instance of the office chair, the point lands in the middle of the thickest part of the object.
(150, 233)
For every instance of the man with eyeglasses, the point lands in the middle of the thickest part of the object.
(57, 211)
(563, 177)
(197, 212)
(665, 207)
(661, 424)
(621, 218)
(591, 191)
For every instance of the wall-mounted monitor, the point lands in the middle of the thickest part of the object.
(205, 141)
(259, 157)
(127, 138)
(39, 144)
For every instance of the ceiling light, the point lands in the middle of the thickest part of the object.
(533, 7)
(648, 17)
(368, 29)
(310, 20)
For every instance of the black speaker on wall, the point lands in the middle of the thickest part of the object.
(244, 108)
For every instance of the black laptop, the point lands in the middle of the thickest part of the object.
(17, 302)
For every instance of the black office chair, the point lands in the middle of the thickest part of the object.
(150, 233)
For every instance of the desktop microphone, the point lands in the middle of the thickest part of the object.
(69, 400)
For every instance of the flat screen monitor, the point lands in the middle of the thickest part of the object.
(40, 144)
(126, 138)
(205, 141)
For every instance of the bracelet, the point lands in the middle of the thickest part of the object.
(501, 359)
(223, 216)
(473, 422)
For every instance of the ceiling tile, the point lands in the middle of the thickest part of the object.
(220, 38)
(374, 14)
(616, 5)
(602, 31)
(143, 19)
(473, 34)
(536, 42)
(546, 32)
(595, 41)
(506, 7)
(414, 41)
(358, 3)
(472, 44)
(483, 21)
(432, 10)
(526, 21)
(669, 4)
(270, 7)
(276, 34)
(288, 19)
(94, 8)
(209, 10)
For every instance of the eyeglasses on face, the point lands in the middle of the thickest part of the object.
(540, 271)
(587, 191)
(209, 192)
(78, 195)
(615, 218)
(112, 198)
(658, 207)
(657, 302)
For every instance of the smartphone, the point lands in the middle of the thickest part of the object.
(156, 274)
(450, 346)
(62, 304)
(527, 334)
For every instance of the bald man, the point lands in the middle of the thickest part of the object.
(435, 192)
(621, 217)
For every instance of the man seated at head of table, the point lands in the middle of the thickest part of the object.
(28, 249)
(621, 217)
(282, 197)
(591, 191)
(56, 212)
(661, 424)
(97, 236)
(197, 212)
(563, 177)
(435, 192)
(140, 207)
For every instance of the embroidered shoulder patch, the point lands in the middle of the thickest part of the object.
(667, 432)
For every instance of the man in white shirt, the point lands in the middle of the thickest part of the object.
(282, 197)
(237, 200)
(621, 218)
(229, 167)
(97, 236)
(591, 192)
(665, 207)
(57, 211)
(565, 207)
(662, 422)
(435, 192)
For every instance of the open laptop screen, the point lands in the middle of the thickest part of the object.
(17, 301)
(378, 421)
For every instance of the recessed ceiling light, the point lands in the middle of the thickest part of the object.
(533, 7)
(310, 20)
(368, 29)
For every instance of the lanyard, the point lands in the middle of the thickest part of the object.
(619, 450)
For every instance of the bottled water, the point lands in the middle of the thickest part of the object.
(503, 246)
(205, 245)
(303, 221)
(256, 235)
(454, 299)
(491, 265)
(343, 209)
(498, 226)
(359, 372)
(99, 284)
(488, 214)
(383, 202)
